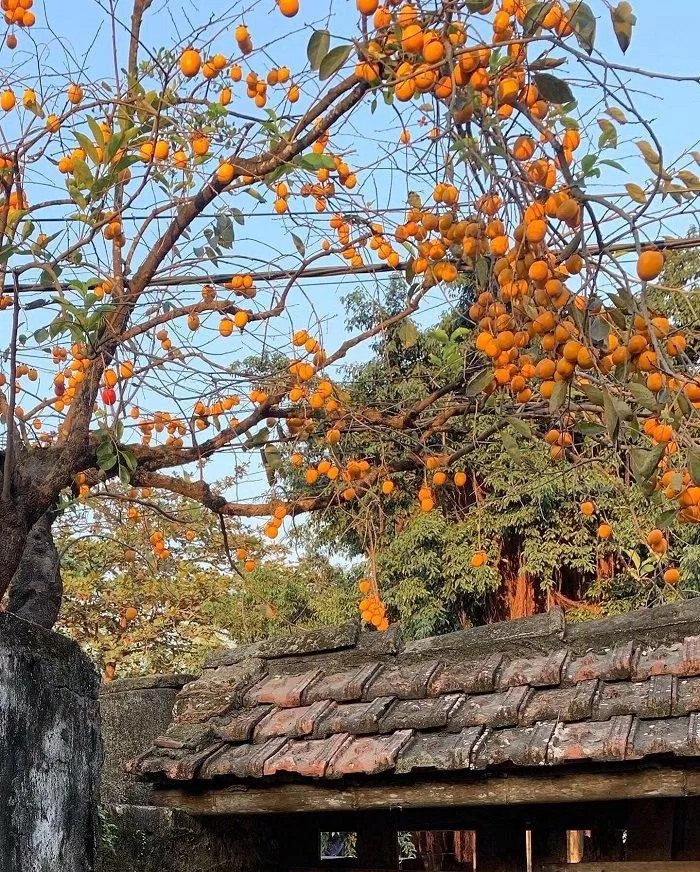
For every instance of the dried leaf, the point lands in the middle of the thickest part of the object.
(617, 114)
(623, 20)
(636, 193)
(650, 155)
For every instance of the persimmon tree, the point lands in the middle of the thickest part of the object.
(443, 139)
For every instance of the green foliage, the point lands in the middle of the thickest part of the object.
(519, 505)
(189, 601)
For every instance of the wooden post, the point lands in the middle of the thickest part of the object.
(575, 840)
(501, 849)
(377, 841)
(650, 829)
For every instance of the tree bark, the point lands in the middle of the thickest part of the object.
(36, 588)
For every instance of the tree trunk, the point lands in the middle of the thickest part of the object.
(36, 588)
(29, 561)
(13, 537)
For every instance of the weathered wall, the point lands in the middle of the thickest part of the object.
(137, 837)
(50, 753)
(143, 839)
(134, 711)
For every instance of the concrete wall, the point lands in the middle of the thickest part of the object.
(50, 752)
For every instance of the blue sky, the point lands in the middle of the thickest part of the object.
(665, 39)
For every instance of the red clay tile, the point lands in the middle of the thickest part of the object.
(284, 691)
(613, 664)
(403, 680)
(519, 746)
(369, 755)
(542, 670)
(241, 761)
(239, 725)
(490, 709)
(560, 703)
(680, 736)
(683, 658)
(471, 676)
(216, 692)
(345, 686)
(358, 718)
(438, 750)
(419, 714)
(292, 722)
(596, 740)
(310, 758)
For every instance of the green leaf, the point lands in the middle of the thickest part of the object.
(96, 131)
(588, 165)
(483, 270)
(665, 519)
(407, 333)
(257, 440)
(298, 244)
(644, 396)
(440, 335)
(333, 61)
(589, 428)
(129, 459)
(594, 394)
(510, 445)
(608, 136)
(546, 63)
(693, 457)
(88, 146)
(556, 401)
(610, 416)
(478, 383)
(315, 162)
(534, 16)
(623, 20)
(552, 89)
(582, 19)
(81, 173)
(616, 165)
(255, 195)
(521, 426)
(644, 462)
(317, 47)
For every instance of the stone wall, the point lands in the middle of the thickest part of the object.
(50, 754)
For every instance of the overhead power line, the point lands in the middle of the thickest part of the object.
(342, 270)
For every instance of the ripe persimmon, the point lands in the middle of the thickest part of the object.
(650, 264)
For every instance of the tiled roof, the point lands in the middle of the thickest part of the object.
(534, 692)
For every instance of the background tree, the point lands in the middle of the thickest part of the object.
(151, 583)
(507, 537)
(126, 361)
